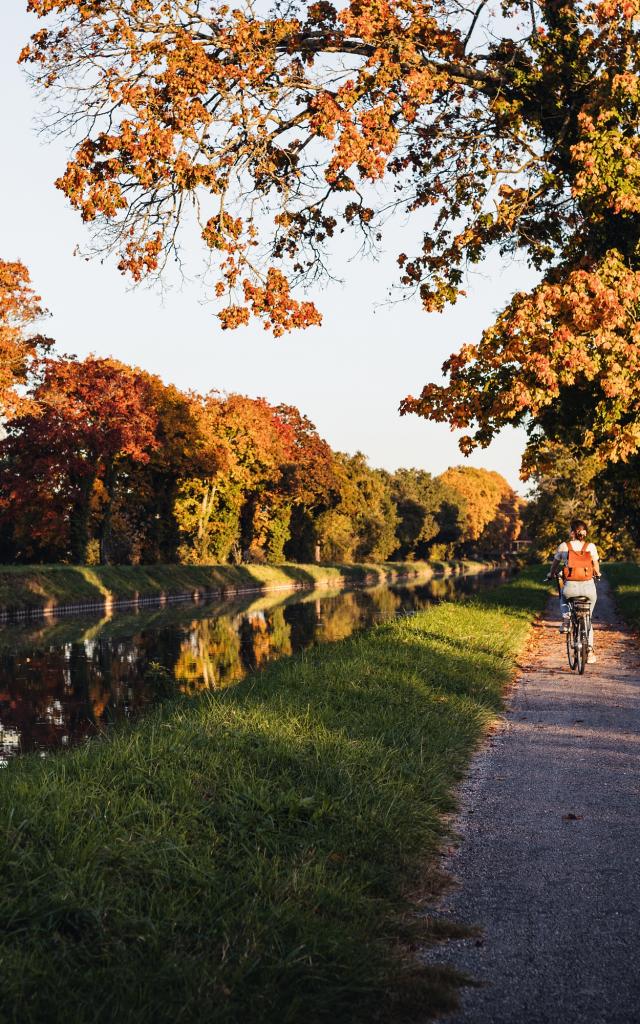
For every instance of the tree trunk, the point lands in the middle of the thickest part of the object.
(79, 521)
(104, 535)
(206, 508)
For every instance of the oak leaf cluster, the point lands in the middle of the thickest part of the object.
(280, 127)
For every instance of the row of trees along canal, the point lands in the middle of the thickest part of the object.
(283, 126)
(103, 461)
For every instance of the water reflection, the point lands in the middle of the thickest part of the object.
(62, 682)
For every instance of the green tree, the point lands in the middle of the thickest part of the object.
(418, 498)
(573, 485)
(364, 502)
(223, 514)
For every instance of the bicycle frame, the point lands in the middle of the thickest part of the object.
(579, 630)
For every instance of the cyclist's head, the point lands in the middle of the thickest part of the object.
(579, 528)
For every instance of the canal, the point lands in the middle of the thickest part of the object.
(62, 682)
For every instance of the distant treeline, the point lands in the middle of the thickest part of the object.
(106, 463)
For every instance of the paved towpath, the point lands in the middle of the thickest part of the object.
(549, 862)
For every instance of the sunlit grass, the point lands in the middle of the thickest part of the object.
(624, 577)
(245, 856)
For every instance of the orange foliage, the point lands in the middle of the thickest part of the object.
(577, 335)
(485, 495)
(20, 309)
(279, 125)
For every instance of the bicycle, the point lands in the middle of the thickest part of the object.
(577, 636)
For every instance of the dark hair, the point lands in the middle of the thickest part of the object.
(578, 524)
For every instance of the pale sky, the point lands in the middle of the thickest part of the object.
(348, 376)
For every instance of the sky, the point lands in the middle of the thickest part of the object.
(348, 376)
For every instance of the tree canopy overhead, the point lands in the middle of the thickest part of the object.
(283, 124)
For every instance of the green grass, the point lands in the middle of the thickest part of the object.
(624, 577)
(248, 855)
(50, 586)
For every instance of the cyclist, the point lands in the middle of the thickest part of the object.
(580, 568)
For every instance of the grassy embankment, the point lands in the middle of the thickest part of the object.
(50, 586)
(255, 854)
(624, 577)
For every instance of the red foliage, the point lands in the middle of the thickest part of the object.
(91, 416)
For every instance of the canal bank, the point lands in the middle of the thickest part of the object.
(48, 590)
(248, 854)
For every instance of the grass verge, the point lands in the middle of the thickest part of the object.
(52, 586)
(624, 578)
(245, 856)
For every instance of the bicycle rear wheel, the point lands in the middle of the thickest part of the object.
(571, 645)
(582, 646)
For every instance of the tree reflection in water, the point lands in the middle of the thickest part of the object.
(63, 682)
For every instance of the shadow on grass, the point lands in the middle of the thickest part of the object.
(245, 855)
(240, 856)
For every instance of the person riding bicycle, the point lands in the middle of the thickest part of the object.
(580, 564)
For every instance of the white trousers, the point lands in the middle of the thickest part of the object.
(574, 589)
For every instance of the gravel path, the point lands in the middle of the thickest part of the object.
(549, 862)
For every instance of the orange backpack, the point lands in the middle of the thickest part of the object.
(579, 565)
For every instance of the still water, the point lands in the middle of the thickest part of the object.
(65, 681)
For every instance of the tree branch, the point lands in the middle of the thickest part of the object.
(322, 43)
